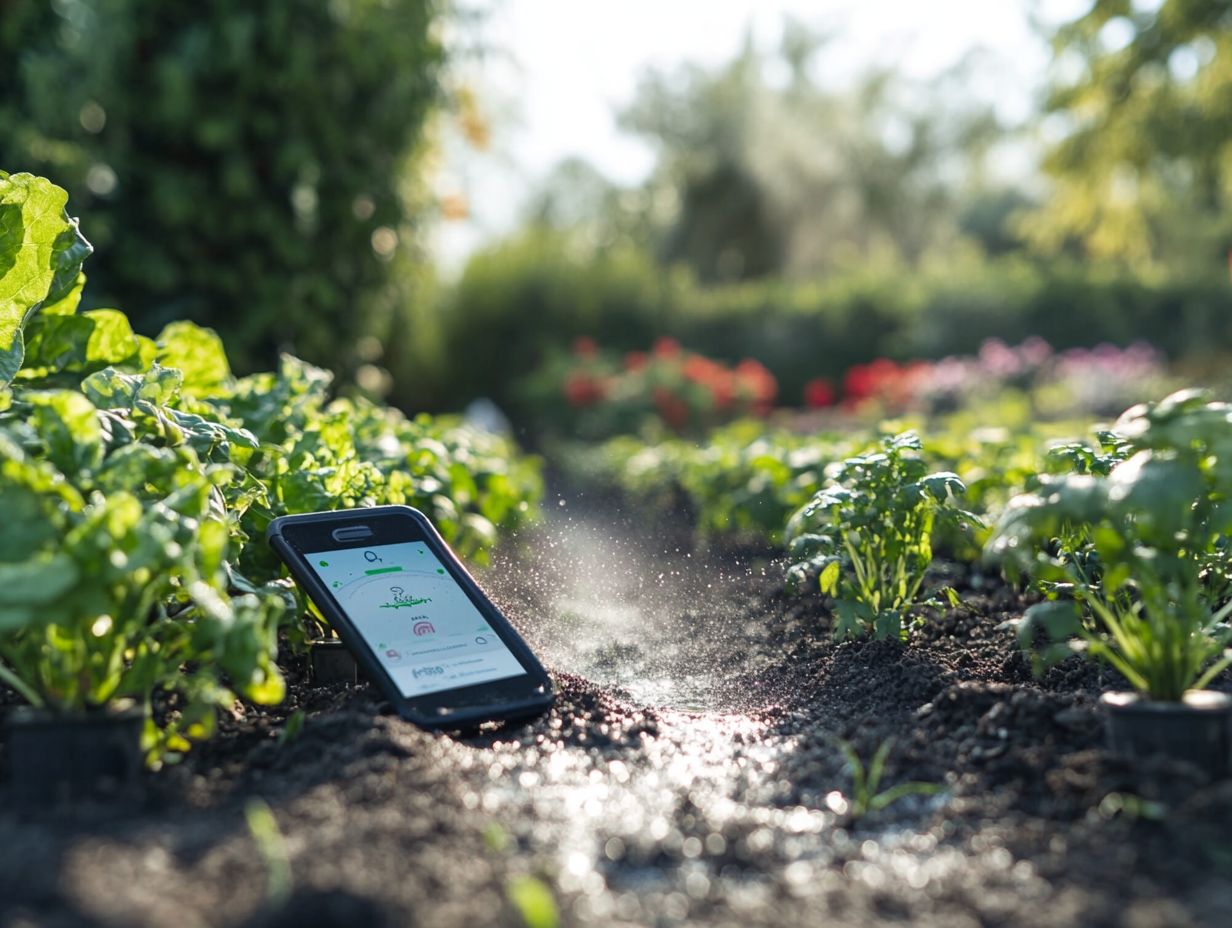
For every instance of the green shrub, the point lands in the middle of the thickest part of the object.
(529, 298)
(801, 330)
(243, 165)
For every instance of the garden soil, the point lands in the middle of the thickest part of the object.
(689, 773)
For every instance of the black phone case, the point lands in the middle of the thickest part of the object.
(324, 600)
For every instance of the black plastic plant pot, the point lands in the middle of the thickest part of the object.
(330, 661)
(55, 756)
(1197, 730)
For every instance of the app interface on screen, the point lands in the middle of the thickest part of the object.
(422, 627)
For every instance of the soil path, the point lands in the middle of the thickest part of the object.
(687, 775)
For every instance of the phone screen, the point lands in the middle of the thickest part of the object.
(419, 623)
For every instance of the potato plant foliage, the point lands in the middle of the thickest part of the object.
(743, 480)
(137, 476)
(868, 535)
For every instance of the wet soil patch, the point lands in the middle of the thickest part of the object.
(689, 773)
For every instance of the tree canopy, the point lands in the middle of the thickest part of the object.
(1142, 101)
(761, 170)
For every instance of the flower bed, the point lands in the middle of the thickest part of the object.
(593, 393)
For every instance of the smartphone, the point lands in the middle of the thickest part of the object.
(418, 624)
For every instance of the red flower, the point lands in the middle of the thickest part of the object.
(667, 348)
(722, 390)
(582, 390)
(585, 347)
(673, 410)
(864, 381)
(759, 382)
(703, 370)
(635, 360)
(818, 393)
(857, 384)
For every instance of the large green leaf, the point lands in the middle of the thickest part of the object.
(80, 343)
(67, 423)
(1158, 493)
(41, 251)
(109, 389)
(197, 353)
(36, 582)
(67, 304)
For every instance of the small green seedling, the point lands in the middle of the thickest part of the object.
(495, 838)
(533, 901)
(1132, 807)
(866, 781)
(293, 728)
(868, 535)
(273, 850)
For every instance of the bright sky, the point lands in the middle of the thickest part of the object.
(560, 70)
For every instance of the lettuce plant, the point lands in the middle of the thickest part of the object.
(135, 474)
(1132, 555)
(113, 582)
(868, 535)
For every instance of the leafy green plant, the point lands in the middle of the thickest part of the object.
(114, 579)
(1082, 458)
(41, 252)
(868, 535)
(133, 566)
(113, 563)
(745, 479)
(314, 451)
(866, 793)
(1133, 560)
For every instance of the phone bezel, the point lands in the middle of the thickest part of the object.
(296, 535)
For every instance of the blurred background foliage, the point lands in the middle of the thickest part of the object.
(268, 170)
(759, 177)
(1143, 104)
(250, 166)
(815, 229)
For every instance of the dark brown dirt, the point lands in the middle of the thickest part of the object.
(688, 774)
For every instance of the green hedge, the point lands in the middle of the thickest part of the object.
(521, 301)
(244, 165)
(518, 303)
